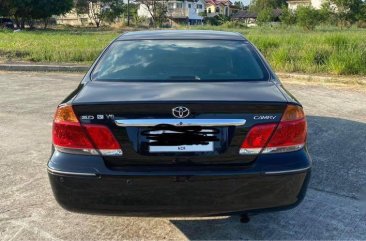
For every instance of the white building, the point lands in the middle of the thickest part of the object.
(294, 4)
(188, 11)
(74, 19)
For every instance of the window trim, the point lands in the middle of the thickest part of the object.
(171, 5)
(180, 5)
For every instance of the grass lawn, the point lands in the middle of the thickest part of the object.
(54, 46)
(330, 51)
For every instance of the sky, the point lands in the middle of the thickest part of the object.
(246, 2)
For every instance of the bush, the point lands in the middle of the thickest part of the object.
(307, 17)
(217, 20)
(234, 24)
(361, 24)
(327, 15)
(265, 16)
(288, 17)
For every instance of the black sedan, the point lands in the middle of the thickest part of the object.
(179, 123)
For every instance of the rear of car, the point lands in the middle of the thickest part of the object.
(176, 123)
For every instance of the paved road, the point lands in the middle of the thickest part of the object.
(332, 209)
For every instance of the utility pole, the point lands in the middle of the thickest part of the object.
(128, 12)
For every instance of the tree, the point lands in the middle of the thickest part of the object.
(259, 5)
(348, 11)
(307, 17)
(362, 16)
(5, 8)
(112, 10)
(82, 6)
(239, 4)
(44, 9)
(327, 13)
(157, 10)
(288, 17)
(265, 16)
(27, 10)
(21, 10)
(100, 10)
(362, 13)
(130, 10)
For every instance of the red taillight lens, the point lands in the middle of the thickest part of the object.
(257, 138)
(70, 136)
(103, 139)
(289, 135)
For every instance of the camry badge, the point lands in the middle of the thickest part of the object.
(180, 112)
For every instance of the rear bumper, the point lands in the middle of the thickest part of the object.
(156, 192)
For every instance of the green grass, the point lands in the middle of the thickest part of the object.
(326, 50)
(53, 46)
(330, 51)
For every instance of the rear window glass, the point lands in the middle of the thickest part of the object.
(180, 60)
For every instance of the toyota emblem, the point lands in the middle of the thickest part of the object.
(180, 112)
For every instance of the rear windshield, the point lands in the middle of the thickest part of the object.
(180, 60)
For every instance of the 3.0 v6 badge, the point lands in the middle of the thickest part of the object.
(264, 117)
(98, 117)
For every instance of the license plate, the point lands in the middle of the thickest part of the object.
(182, 148)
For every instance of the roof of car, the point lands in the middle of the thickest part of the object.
(181, 34)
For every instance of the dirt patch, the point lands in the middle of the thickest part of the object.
(357, 83)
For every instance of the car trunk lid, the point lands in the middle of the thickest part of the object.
(226, 112)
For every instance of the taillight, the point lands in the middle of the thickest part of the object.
(288, 135)
(257, 138)
(103, 140)
(70, 136)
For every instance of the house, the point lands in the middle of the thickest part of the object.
(216, 7)
(180, 11)
(294, 4)
(234, 9)
(72, 18)
(89, 17)
(245, 16)
(251, 17)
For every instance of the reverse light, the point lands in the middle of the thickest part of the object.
(257, 138)
(288, 135)
(68, 135)
(103, 140)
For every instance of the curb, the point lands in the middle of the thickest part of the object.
(44, 67)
